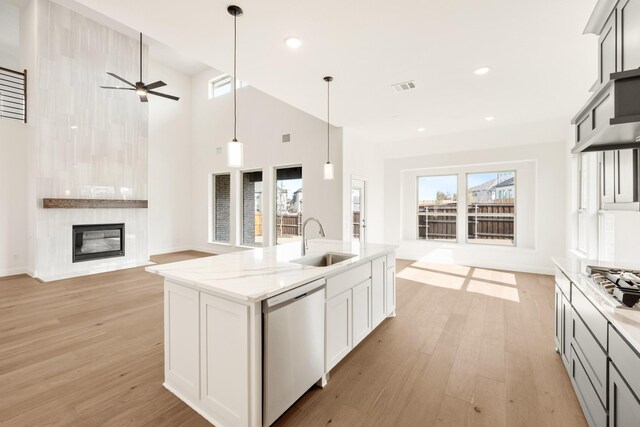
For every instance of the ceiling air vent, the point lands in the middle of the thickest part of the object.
(401, 87)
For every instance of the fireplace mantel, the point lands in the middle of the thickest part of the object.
(50, 203)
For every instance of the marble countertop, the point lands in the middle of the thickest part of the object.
(257, 274)
(627, 322)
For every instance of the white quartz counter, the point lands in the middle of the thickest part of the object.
(627, 322)
(257, 274)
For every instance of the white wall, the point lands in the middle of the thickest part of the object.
(540, 227)
(262, 120)
(170, 163)
(14, 138)
(362, 159)
(9, 36)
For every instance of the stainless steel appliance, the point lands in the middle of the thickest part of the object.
(620, 286)
(293, 347)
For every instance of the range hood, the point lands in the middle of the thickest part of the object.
(611, 118)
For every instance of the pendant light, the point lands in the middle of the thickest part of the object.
(234, 148)
(328, 167)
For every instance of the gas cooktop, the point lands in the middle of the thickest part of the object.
(620, 284)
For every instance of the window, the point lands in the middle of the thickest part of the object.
(582, 203)
(221, 197)
(252, 208)
(437, 207)
(288, 205)
(222, 85)
(491, 206)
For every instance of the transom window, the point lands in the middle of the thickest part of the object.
(222, 85)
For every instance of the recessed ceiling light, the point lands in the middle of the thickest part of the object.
(420, 129)
(74, 127)
(293, 42)
(482, 70)
(489, 118)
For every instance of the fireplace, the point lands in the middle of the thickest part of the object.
(91, 242)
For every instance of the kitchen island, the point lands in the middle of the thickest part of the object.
(213, 310)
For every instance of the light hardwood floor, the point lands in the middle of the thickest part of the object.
(468, 347)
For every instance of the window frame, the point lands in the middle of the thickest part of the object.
(212, 208)
(582, 237)
(242, 242)
(274, 199)
(222, 80)
(515, 208)
(417, 209)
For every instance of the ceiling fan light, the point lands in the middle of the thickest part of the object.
(328, 171)
(235, 154)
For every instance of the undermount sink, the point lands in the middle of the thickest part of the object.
(323, 260)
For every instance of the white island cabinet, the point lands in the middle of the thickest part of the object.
(213, 319)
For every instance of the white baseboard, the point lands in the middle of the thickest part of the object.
(163, 251)
(13, 271)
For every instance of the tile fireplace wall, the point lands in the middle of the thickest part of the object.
(89, 142)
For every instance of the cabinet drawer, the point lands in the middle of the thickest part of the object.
(563, 283)
(590, 315)
(587, 396)
(626, 360)
(347, 280)
(391, 260)
(594, 359)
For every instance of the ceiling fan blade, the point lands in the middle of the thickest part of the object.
(143, 97)
(121, 79)
(155, 85)
(117, 87)
(164, 95)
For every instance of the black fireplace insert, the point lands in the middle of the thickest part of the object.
(91, 242)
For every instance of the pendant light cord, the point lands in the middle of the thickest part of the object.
(235, 108)
(328, 126)
(140, 56)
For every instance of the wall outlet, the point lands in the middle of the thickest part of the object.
(286, 138)
(219, 151)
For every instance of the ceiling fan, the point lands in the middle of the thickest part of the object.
(141, 89)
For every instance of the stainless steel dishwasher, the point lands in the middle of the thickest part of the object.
(293, 347)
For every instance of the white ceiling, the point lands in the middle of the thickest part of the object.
(541, 64)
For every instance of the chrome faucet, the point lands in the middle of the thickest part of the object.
(305, 244)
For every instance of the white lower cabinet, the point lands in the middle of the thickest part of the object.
(224, 359)
(361, 295)
(357, 302)
(339, 329)
(378, 291)
(624, 408)
(390, 285)
(182, 339)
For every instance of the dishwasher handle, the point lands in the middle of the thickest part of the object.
(293, 295)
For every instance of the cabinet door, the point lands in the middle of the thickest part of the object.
(565, 342)
(182, 339)
(626, 178)
(629, 12)
(361, 311)
(624, 408)
(224, 359)
(558, 320)
(607, 177)
(339, 329)
(593, 409)
(378, 272)
(608, 49)
(390, 285)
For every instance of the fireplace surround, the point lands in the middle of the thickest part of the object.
(97, 241)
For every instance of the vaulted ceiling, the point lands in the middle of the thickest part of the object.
(541, 64)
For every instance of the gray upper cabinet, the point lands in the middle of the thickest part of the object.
(608, 52)
(619, 180)
(629, 34)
